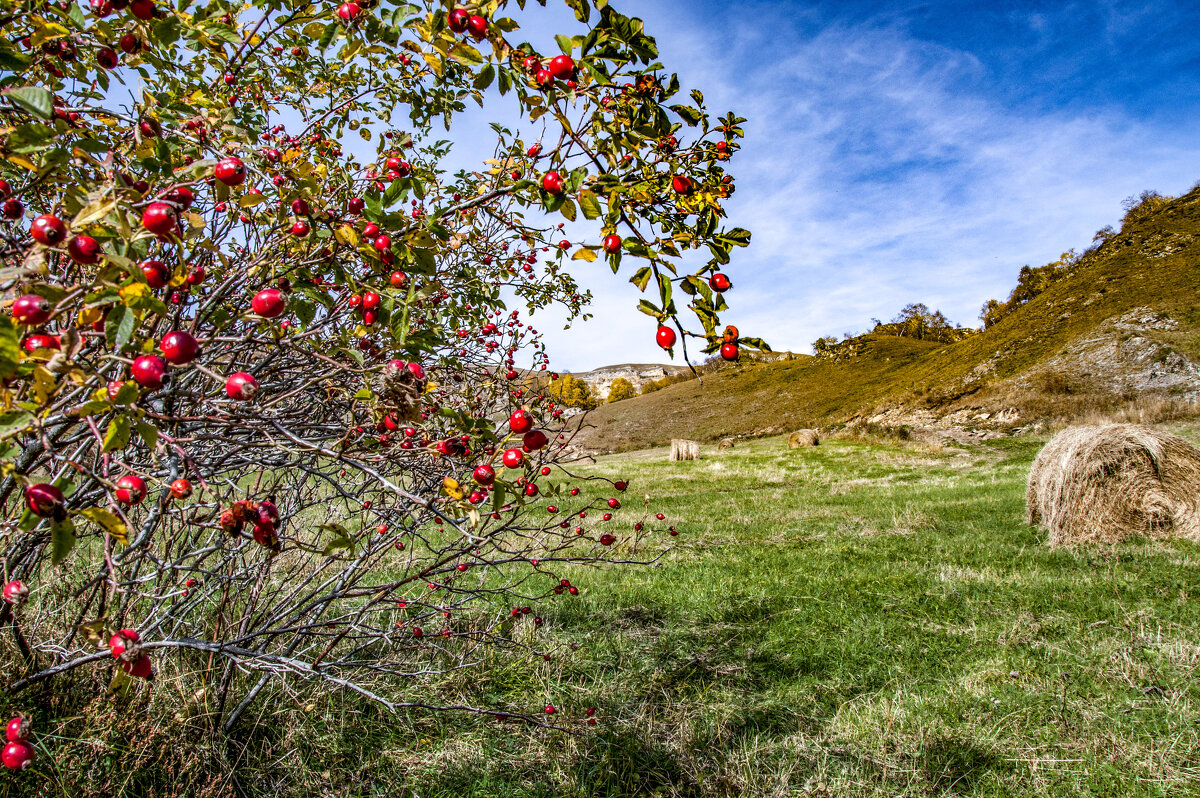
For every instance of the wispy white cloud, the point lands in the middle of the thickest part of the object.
(879, 170)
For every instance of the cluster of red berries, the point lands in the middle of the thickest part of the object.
(126, 648)
(264, 516)
(18, 753)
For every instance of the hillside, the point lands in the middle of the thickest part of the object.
(1122, 326)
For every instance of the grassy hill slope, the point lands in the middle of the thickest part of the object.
(1151, 263)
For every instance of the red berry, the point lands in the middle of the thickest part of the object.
(612, 244)
(48, 229)
(371, 300)
(348, 10)
(477, 26)
(181, 489)
(44, 500)
(140, 668)
(17, 755)
(15, 592)
(269, 303)
(131, 489)
(513, 458)
(552, 182)
(161, 219)
(31, 309)
(485, 475)
(124, 643)
(719, 282)
(457, 20)
(301, 229)
(520, 422)
(156, 273)
(665, 337)
(729, 351)
(561, 66)
(179, 347)
(230, 171)
(681, 184)
(17, 729)
(534, 440)
(241, 386)
(149, 371)
(550, 710)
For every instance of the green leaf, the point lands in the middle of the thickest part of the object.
(118, 327)
(737, 236)
(149, 434)
(116, 437)
(589, 203)
(564, 43)
(11, 60)
(466, 54)
(341, 539)
(568, 209)
(642, 278)
(34, 99)
(688, 114)
(13, 422)
(62, 540)
(485, 77)
(10, 347)
(649, 308)
(110, 523)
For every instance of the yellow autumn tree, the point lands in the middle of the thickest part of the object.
(572, 392)
(621, 388)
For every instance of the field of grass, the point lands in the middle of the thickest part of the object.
(855, 619)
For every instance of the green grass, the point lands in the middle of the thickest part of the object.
(1151, 262)
(854, 619)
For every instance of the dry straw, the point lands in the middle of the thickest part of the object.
(804, 437)
(1104, 484)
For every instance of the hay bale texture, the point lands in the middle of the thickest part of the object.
(803, 438)
(684, 450)
(1104, 484)
(726, 443)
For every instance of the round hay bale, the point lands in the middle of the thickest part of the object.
(1105, 484)
(726, 443)
(803, 438)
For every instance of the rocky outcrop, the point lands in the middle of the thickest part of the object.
(638, 374)
(1128, 355)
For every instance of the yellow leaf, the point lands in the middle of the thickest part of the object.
(97, 210)
(453, 490)
(21, 160)
(110, 523)
(46, 32)
(585, 253)
(89, 316)
(43, 384)
(133, 291)
(346, 235)
(430, 387)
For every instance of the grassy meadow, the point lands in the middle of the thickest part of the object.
(862, 618)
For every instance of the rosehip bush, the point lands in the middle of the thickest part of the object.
(266, 381)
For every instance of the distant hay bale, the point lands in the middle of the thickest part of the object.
(726, 443)
(803, 438)
(684, 450)
(1104, 484)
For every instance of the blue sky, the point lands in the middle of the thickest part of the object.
(901, 152)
